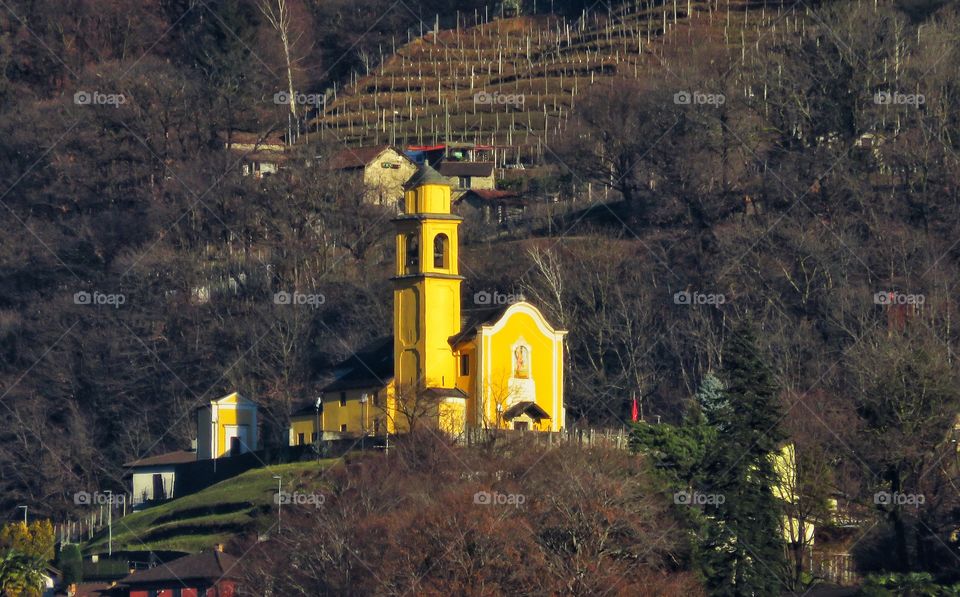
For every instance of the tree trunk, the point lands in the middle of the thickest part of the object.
(899, 528)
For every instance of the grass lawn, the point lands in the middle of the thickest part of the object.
(214, 515)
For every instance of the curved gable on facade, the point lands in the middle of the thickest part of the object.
(524, 308)
(521, 370)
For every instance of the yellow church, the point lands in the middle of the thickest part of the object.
(494, 367)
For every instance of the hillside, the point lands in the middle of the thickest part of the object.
(818, 204)
(512, 83)
(219, 514)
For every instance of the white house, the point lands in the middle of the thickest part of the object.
(154, 478)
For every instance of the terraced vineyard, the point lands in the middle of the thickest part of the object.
(243, 504)
(512, 83)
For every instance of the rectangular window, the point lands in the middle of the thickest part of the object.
(465, 364)
(343, 428)
(464, 182)
(299, 439)
(343, 398)
(313, 437)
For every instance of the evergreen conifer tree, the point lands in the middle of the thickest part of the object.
(712, 400)
(742, 551)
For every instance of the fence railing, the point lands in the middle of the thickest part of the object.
(618, 439)
(837, 568)
(86, 525)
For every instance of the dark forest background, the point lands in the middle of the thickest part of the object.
(799, 199)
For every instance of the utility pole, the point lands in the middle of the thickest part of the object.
(363, 420)
(109, 524)
(279, 498)
(316, 442)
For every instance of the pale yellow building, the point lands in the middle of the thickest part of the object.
(466, 176)
(787, 490)
(385, 170)
(227, 426)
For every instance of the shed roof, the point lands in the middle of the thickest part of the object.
(483, 169)
(177, 457)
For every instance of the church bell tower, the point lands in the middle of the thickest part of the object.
(426, 295)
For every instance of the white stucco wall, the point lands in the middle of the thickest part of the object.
(143, 482)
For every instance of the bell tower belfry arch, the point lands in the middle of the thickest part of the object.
(426, 295)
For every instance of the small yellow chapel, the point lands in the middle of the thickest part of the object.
(493, 366)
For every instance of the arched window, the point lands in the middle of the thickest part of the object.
(412, 253)
(441, 251)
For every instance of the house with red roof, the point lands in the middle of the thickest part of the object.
(491, 206)
(206, 574)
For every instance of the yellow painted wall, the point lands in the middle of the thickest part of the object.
(427, 294)
(467, 382)
(452, 415)
(785, 466)
(360, 418)
(545, 368)
(305, 424)
(230, 410)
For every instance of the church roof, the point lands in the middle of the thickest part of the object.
(475, 319)
(369, 367)
(527, 407)
(426, 175)
(437, 393)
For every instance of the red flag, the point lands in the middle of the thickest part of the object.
(635, 411)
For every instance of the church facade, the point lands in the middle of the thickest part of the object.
(493, 366)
